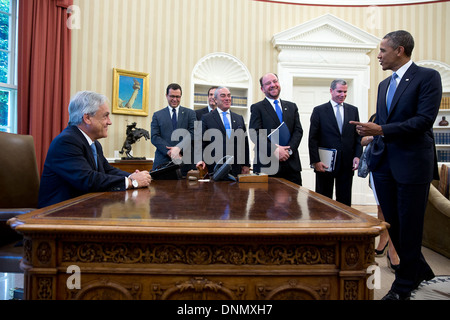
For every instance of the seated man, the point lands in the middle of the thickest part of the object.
(75, 164)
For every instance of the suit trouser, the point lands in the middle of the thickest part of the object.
(403, 207)
(286, 172)
(326, 181)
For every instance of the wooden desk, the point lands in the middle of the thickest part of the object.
(131, 165)
(191, 240)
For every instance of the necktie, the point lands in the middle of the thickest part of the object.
(94, 151)
(391, 92)
(339, 118)
(174, 119)
(278, 110)
(226, 123)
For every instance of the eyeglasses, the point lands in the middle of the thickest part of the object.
(175, 97)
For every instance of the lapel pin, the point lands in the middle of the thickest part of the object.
(406, 79)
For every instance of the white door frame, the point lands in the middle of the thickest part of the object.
(328, 48)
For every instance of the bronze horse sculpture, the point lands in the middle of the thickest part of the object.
(133, 135)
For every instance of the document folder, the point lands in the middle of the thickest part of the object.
(283, 134)
(328, 157)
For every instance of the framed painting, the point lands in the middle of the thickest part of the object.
(130, 92)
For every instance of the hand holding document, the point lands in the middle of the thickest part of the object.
(328, 157)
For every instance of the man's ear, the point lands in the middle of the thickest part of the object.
(87, 118)
(401, 51)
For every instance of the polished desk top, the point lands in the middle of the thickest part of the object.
(187, 207)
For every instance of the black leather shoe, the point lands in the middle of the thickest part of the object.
(391, 295)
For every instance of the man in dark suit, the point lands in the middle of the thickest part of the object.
(164, 122)
(211, 104)
(71, 167)
(404, 161)
(330, 128)
(272, 158)
(228, 135)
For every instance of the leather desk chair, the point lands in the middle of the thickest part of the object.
(19, 185)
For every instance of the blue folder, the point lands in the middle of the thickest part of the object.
(283, 134)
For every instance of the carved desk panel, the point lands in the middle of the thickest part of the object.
(192, 240)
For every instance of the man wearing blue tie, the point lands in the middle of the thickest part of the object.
(229, 127)
(75, 163)
(266, 116)
(404, 159)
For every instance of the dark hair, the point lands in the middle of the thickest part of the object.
(335, 82)
(211, 89)
(174, 86)
(401, 38)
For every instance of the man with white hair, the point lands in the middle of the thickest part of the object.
(75, 164)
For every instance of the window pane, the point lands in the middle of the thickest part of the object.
(5, 5)
(4, 106)
(4, 31)
(4, 67)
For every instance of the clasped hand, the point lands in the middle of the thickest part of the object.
(282, 153)
(142, 177)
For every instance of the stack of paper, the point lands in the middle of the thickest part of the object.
(328, 157)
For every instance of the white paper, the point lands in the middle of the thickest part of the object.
(328, 157)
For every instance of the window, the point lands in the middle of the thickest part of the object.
(8, 65)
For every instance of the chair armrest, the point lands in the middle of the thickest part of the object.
(441, 203)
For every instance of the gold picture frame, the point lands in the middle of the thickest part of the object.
(130, 92)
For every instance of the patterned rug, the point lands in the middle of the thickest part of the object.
(437, 288)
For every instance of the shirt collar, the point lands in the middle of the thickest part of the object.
(334, 103)
(221, 112)
(402, 70)
(89, 140)
(176, 109)
(272, 101)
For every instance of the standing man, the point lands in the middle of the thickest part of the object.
(330, 128)
(404, 161)
(211, 104)
(164, 123)
(75, 164)
(264, 119)
(233, 134)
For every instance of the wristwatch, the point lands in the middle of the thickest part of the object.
(134, 183)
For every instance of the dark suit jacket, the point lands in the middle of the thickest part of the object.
(200, 112)
(324, 132)
(240, 149)
(263, 116)
(408, 142)
(161, 133)
(69, 170)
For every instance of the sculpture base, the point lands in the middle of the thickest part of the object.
(134, 158)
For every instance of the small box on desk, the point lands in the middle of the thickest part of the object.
(254, 177)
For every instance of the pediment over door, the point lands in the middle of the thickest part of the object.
(325, 39)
